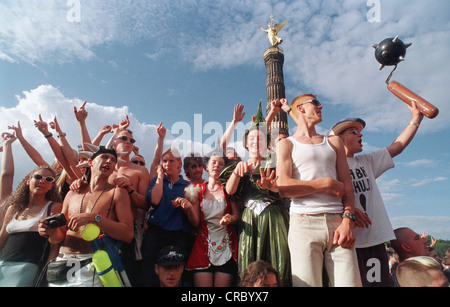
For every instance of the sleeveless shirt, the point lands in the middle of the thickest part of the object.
(24, 243)
(314, 161)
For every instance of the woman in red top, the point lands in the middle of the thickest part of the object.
(214, 254)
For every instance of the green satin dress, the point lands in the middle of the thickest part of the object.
(264, 224)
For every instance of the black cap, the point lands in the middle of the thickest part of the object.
(170, 255)
(102, 150)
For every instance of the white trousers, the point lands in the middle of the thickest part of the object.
(312, 250)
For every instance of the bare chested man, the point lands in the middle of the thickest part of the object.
(134, 178)
(99, 202)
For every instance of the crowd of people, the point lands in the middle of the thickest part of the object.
(303, 210)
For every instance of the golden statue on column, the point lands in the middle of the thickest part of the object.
(272, 31)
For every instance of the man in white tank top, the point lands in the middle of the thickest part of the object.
(313, 172)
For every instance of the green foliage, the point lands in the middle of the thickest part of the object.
(440, 247)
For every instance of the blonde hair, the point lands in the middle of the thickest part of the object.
(296, 101)
(173, 151)
(414, 271)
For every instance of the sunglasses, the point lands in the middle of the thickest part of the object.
(171, 256)
(125, 138)
(40, 177)
(193, 166)
(315, 102)
(138, 162)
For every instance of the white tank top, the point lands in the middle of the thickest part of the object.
(314, 161)
(27, 225)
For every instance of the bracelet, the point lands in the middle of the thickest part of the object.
(47, 136)
(62, 135)
(236, 174)
(413, 123)
(289, 111)
(131, 192)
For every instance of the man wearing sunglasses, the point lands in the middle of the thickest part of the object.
(135, 179)
(313, 172)
(128, 175)
(138, 159)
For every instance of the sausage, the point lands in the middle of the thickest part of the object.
(408, 96)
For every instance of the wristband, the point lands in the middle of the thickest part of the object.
(62, 135)
(413, 123)
(47, 136)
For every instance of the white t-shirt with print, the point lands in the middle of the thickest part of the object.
(365, 169)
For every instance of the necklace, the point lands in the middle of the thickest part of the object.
(95, 202)
(212, 191)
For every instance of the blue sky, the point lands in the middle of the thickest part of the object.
(187, 63)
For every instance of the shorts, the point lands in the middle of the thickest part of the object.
(228, 268)
(78, 276)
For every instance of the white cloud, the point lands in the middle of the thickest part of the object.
(436, 226)
(367, 148)
(38, 31)
(420, 162)
(50, 102)
(390, 191)
(327, 46)
(425, 181)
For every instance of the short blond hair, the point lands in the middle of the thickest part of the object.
(414, 271)
(296, 101)
(173, 151)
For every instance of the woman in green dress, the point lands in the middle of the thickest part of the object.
(265, 217)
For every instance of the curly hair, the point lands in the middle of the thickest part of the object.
(21, 196)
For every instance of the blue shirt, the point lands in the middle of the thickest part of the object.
(164, 215)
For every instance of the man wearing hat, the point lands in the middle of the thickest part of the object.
(170, 266)
(372, 221)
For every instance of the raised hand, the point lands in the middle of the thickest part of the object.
(238, 114)
(54, 125)
(7, 139)
(81, 114)
(17, 130)
(124, 124)
(161, 131)
(42, 126)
